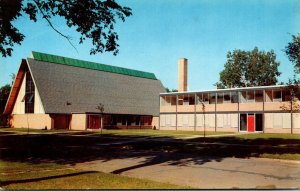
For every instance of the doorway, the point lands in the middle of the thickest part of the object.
(251, 122)
(94, 122)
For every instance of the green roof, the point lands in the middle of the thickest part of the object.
(91, 65)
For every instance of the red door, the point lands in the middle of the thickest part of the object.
(251, 120)
(94, 122)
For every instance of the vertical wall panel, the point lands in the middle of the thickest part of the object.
(211, 120)
(296, 120)
(185, 120)
(234, 120)
(269, 120)
(173, 120)
(199, 120)
(191, 120)
(286, 120)
(162, 120)
(179, 120)
(220, 120)
(277, 120)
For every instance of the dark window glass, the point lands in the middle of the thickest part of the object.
(259, 97)
(220, 98)
(29, 94)
(212, 98)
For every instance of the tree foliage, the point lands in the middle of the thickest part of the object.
(293, 52)
(4, 93)
(168, 90)
(249, 68)
(93, 19)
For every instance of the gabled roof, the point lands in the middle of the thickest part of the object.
(90, 65)
(85, 88)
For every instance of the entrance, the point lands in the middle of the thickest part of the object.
(94, 121)
(251, 122)
(251, 119)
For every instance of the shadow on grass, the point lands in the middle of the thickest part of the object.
(72, 148)
(8, 182)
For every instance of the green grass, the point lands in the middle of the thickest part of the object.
(159, 133)
(17, 175)
(281, 156)
(269, 135)
(122, 132)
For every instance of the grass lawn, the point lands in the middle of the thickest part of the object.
(17, 175)
(120, 132)
(159, 133)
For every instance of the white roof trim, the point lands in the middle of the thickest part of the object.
(225, 90)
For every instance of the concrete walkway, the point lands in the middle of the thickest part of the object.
(206, 174)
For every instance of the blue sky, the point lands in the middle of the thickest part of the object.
(159, 32)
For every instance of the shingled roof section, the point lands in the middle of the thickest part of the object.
(85, 88)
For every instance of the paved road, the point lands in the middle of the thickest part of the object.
(205, 173)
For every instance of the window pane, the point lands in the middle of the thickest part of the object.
(180, 100)
(243, 98)
(250, 96)
(259, 96)
(286, 96)
(199, 98)
(212, 98)
(269, 96)
(173, 100)
(276, 95)
(191, 99)
(220, 98)
(234, 97)
(186, 100)
(227, 97)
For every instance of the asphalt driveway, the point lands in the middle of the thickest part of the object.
(226, 173)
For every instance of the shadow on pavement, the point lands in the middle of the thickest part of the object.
(70, 148)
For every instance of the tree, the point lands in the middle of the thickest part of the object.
(249, 68)
(293, 88)
(293, 52)
(100, 107)
(168, 90)
(93, 19)
(4, 93)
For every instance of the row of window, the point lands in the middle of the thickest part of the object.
(126, 120)
(249, 96)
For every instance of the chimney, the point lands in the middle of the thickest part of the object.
(182, 75)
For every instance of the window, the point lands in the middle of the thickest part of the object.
(259, 96)
(191, 99)
(219, 98)
(277, 96)
(180, 100)
(250, 96)
(29, 94)
(206, 98)
(243, 97)
(269, 96)
(212, 98)
(234, 97)
(186, 100)
(173, 100)
(227, 97)
(286, 96)
(199, 98)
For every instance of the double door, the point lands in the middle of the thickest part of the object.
(251, 122)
